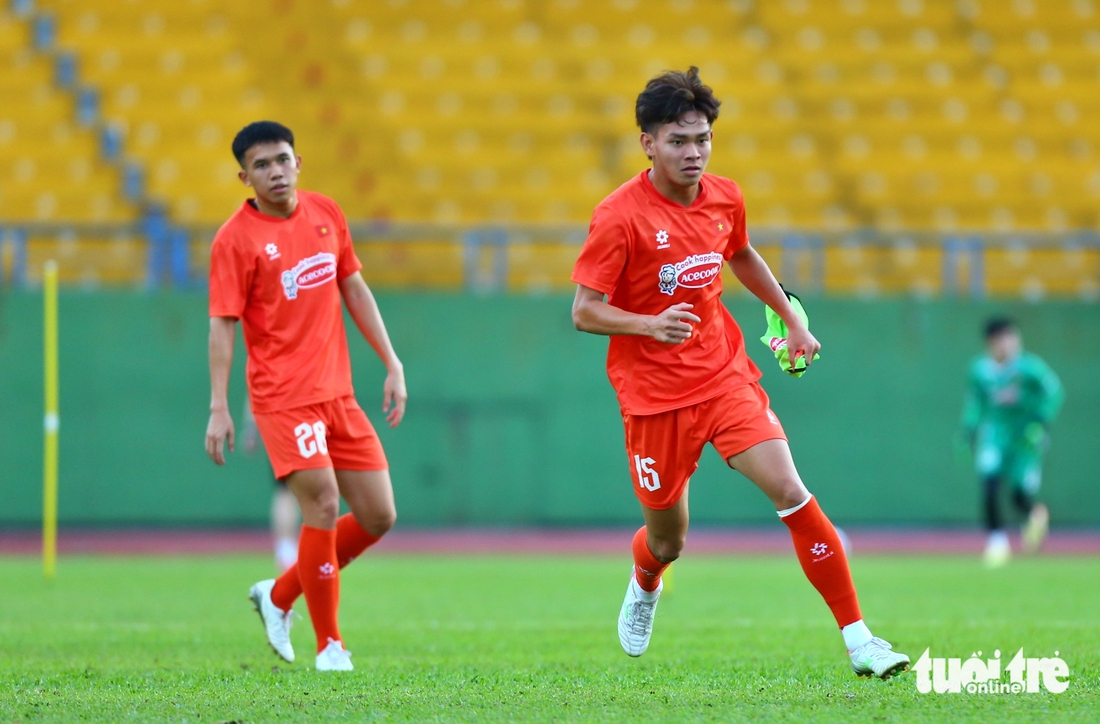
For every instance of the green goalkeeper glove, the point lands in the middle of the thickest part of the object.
(776, 337)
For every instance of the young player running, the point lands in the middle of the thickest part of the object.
(677, 360)
(1012, 399)
(281, 265)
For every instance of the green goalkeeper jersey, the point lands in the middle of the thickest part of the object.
(1006, 398)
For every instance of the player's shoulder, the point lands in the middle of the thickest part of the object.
(723, 189)
(981, 366)
(623, 201)
(234, 228)
(320, 201)
(1032, 361)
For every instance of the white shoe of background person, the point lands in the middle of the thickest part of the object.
(636, 616)
(997, 550)
(334, 657)
(276, 621)
(1035, 531)
(878, 658)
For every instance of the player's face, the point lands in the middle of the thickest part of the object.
(1005, 345)
(271, 169)
(680, 150)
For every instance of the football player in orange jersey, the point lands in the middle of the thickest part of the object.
(649, 276)
(282, 265)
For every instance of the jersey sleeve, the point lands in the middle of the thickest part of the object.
(739, 235)
(230, 278)
(347, 263)
(974, 403)
(604, 254)
(1051, 392)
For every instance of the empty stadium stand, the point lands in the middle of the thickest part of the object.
(947, 116)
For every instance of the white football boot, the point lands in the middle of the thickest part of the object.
(276, 621)
(636, 616)
(998, 550)
(1035, 531)
(334, 657)
(877, 658)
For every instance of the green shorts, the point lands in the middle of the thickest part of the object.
(1018, 461)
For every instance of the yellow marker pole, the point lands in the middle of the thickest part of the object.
(50, 422)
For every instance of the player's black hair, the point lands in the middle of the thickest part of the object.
(260, 132)
(672, 94)
(996, 326)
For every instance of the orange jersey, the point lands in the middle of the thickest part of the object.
(647, 252)
(279, 277)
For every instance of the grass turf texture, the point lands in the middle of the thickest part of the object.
(531, 639)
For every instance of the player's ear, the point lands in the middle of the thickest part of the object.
(648, 142)
(298, 162)
(243, 176)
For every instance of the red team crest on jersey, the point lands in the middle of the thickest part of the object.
(308, 273)
(694, 272)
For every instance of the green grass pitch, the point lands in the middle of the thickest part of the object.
(531, 639)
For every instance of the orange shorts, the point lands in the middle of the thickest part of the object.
(664, 449)
(331, 434)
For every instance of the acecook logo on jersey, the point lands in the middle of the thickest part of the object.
(694, 272)
(308, 273)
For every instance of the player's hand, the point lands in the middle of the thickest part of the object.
(673, 326)
(219, 431)
(394, 397)
(800, 343)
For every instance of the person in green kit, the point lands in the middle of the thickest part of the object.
(1012, 399)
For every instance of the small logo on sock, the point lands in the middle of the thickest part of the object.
(327, 570)
(820, 552)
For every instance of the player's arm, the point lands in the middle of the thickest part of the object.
(753, 272)
(1053, 394)
(219, 430)
(364, 310)
(973, 410)
(592, 313)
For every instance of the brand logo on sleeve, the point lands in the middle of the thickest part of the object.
(694, 272)
(308, 273)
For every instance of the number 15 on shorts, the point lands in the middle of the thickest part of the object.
(647, 476)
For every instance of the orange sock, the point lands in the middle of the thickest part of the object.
(647, 569)
(822, 557)
(351, 541)
(320, 581)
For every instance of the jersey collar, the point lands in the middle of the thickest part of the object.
(255, 213)
(652, 191)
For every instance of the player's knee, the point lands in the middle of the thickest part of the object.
(321, 508)
(378, 523)
(790, 493)
(667, 550)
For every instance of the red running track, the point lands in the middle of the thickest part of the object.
(527, 541)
